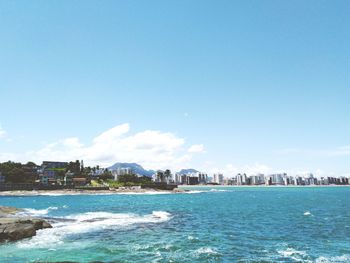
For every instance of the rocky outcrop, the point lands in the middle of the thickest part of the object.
(178, 190)
(14, 228)
(6, 210)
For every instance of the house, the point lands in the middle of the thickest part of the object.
(79, 181)
(121, 171)
(52, 173)
(68, 178)
(48, 178)
(46, 165)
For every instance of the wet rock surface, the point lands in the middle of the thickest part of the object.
(15, 228)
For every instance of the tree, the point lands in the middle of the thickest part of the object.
(13, 172)
(74, 167)
(160, 176)
(16, 175)
(167, 175)
(128, 178)
(106, 175)
(31, 164)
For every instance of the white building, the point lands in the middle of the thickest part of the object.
(241, 179)
(257, 179)
(121, 171)
(278, 179)
(219, 178)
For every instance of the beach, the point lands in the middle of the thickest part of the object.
(83, 192)
(150, 191)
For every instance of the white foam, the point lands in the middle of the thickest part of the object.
(205, 191)
(161, 214)
(144, 193)
(307, 213)
(195, 192)
(88, 222)
(192, 238)
(206, 250)
(37, 212)
(343, 258)
(51, 193)
(296, 255)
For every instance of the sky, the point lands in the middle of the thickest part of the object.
(229, 86)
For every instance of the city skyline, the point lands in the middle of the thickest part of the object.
(221, 87)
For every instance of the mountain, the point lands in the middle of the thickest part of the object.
(138, 169)
(188, 171)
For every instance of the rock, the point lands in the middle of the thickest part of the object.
(14, 228)
(46, 225)
(16, 231)
(178, 190)
(6, 210)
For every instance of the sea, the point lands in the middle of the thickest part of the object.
(209, 224)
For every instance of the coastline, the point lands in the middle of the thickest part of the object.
(85, 192)
(148, 191)
(258, 186)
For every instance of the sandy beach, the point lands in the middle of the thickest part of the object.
(150, 191)
(85, 192)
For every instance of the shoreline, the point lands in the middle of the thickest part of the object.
(259, 186)
(149, 191)
(84, 192)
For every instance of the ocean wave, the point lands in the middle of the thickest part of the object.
(195, 192)
(307, 213)
(88, 222)
(36, 212)
(205, 191)
(343, 258)
(218, 190)
(145, 193)
(206, 251)
(51, 193)
(191, 238)
(296, 255)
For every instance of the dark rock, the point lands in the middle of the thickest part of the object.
(16, 231)
(14, 228)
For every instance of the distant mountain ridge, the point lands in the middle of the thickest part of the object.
(138, 169)
(188, 171)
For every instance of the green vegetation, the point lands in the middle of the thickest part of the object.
(29, 173)
(95, 183)
(57, 169)
(113, 183)
(129, 180)
(18, 173)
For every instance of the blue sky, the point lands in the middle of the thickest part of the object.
(216, 85)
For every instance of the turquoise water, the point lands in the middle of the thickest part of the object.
(224, 225)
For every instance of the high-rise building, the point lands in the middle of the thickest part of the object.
(121, 171)
(241, 179)
(218, 178)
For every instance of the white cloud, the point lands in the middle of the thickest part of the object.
(196, 148)
(150, 148)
